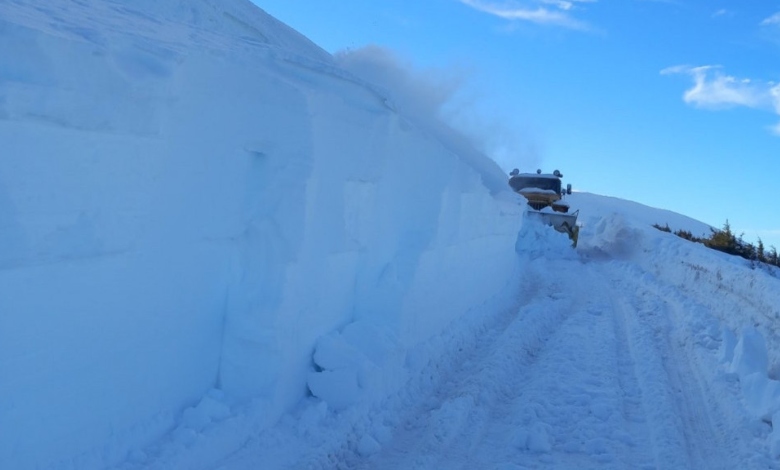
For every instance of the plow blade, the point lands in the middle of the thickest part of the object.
(562, 222)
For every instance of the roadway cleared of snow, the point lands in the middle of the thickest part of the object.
(583, 375)
(554, 386)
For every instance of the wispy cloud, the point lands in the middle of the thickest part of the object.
(544, 12)
(713, 89)
(565, 4)
(772, 20)
(670, 2)
(722, 13)
(769, 28)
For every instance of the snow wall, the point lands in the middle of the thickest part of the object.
(183, 208)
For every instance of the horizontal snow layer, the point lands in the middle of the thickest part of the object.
(176, 219)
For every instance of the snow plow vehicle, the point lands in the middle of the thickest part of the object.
(544, 193)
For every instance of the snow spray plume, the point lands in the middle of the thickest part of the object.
(431, 100)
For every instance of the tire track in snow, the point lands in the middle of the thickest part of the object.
(442, 430)
(724, 435)
(509, 405)
(552, 388)
(581, 396)
(681, 424)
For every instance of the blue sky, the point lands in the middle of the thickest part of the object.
(671, 103)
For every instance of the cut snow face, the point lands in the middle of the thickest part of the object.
(192, 195)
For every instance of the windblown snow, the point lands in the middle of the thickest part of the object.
(221, 249)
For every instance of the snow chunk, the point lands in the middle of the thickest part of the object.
(761, 394)
(333, 352)
(536, 239)
(361, 362)
(610, 235)
(338, 388)
(750, 354)
(208, 410)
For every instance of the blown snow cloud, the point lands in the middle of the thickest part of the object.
(436, 96)
(544, 12)
(713, 89)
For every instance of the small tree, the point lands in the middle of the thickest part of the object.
(724, 240)
(686, 234)
(745, 249)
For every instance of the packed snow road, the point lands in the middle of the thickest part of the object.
(554, 384)
(583, 375)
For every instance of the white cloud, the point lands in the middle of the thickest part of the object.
(545, 12)
(713, 89)
(565, 4)
(772, 20)
(722, 12)
(669, 2)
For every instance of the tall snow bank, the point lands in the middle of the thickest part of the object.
(185, 205)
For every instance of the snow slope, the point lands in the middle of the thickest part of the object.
(191, 194)
(222, 250)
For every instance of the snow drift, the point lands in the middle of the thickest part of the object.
(191, 195)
